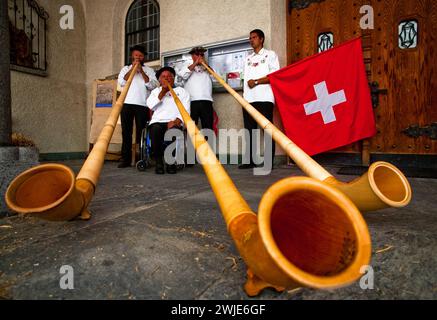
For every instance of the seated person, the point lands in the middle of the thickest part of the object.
(165, 115)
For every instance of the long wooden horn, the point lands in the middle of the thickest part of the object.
(307, 233)
(383, 185)
(51, 192)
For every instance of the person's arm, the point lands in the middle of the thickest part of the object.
(144, 75)
(195, 63)
(139, 70)
(121, 75)
(273, 62)
(154, 99)
(184, 97)
(185, 72)
(256, 82)
(164, 91)
(153, 82)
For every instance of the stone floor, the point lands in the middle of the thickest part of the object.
(163, 237)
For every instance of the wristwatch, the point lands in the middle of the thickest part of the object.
(256, 82)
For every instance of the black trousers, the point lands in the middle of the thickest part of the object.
(266, 109)
(202, 109)
(128, 114)
(157, 133)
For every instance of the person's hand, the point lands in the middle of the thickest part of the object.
(251, 83)
(164, 90)
(137, 62)
(199, 60)
(171, 124)
(174, 124)
(144, 75)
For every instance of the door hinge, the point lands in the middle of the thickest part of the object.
(415, 131)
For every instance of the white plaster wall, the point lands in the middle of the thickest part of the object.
(52, 110)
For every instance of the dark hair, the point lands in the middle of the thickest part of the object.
(169, 69)
(260, 33)
(197, 50)
(138, 48)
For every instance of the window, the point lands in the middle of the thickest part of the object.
(408, 34)
(142, 28)
(28, 39)
(325, 41)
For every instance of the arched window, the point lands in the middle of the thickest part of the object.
(142, 28)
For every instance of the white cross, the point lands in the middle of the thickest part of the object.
(325, 102)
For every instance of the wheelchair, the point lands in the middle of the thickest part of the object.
(145, 153)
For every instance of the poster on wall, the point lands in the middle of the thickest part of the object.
(225, 58)
(104, 97)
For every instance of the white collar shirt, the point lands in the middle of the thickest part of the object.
(139, 89)
(198, 82)
(165, 110)
(259, 65)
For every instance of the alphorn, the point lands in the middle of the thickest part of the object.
(307, 233)
(382, 186)
(51, 192)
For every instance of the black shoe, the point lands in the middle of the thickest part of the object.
(124, 165)
(246, 166)
(159, 169)
(171, 169)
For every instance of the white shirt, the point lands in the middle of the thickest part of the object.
(138, 90)
(165, 110)
(259, 65)
(198, 82)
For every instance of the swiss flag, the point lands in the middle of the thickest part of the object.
(324, 100)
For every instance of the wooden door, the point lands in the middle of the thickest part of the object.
(407, 89)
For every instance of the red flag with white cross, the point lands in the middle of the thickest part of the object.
(324, 100)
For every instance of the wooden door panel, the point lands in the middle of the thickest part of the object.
(337, 16)
(407, 74)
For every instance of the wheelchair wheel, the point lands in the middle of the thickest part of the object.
(141, 165)
(145, 150)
